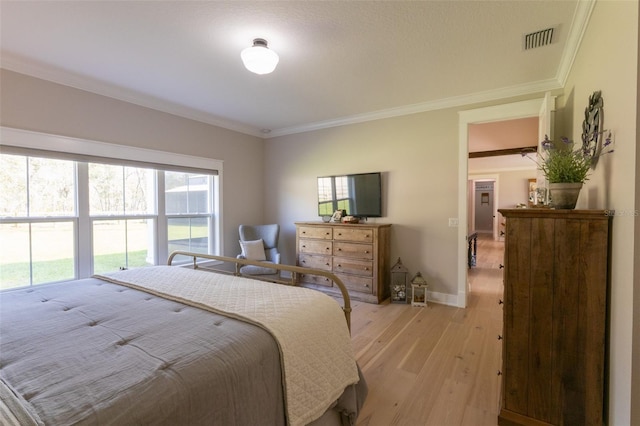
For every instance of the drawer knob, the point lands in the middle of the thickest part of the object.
(304, 232)
(366, 251)
(304, 246)
(326, 233)
(500, 302)
(501, 266)
(499, 373)
(499, 337)
(327, 264)
(366, 285)
(366, 268)
(339, 249)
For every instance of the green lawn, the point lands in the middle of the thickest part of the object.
(17, 274)
(107, 248)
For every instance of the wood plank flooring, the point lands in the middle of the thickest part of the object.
(436, 365)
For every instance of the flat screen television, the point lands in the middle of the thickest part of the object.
(358, 194)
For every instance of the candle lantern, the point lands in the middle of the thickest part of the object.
(399, 282)
(418, 290)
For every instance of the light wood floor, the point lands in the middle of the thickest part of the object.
(436, 365)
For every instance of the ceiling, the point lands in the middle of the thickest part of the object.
(340, 61)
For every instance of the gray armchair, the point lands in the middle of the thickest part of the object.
(250, 236)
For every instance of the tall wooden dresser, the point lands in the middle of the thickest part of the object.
(556, 285)
(357, 253)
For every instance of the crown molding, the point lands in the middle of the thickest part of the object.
(574, 38)
(67, 78)
(452, 102)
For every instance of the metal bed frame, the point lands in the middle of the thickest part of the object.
(295, 270)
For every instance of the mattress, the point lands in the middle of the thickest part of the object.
(97, 352)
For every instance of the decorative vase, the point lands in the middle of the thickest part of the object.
(564, 195)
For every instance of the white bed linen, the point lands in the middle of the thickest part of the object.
(318, 362)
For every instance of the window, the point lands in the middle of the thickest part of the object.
(188, 207)
(65, 219)
(38, 210)
(122, 208)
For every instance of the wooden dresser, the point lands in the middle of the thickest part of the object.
(357, 253)
(556, 283)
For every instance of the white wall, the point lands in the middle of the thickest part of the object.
(37, 105)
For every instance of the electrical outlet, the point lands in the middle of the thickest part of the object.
(453, 222)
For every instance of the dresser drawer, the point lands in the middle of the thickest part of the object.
(364, 235)
(320, 232)
(357, 253)
(315, 246)
(315, 279)
(314, 261)
(353, 266)
(357, 250)
(357, 283)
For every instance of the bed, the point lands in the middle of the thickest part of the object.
(170, 345)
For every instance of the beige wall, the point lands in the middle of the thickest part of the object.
(514, 188)
(37, 105)
(418, 155)
(608, 61)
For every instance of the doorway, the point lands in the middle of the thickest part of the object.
(535, 107)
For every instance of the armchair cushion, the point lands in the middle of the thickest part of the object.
(258, 270)
(253, 250)
(267, 236)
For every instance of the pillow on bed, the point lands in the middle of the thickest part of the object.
(253, 250)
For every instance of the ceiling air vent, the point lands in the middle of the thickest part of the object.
(538, 39)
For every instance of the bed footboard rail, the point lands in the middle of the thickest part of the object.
(294, 270)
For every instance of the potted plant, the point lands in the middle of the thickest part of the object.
(567, 168)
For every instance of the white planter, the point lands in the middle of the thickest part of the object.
(564, 195)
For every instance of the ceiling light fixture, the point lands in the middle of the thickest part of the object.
(259, 58)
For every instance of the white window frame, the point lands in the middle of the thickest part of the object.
(43, 141)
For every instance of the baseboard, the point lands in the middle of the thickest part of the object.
(442, 298)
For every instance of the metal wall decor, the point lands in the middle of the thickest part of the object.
(592, 126)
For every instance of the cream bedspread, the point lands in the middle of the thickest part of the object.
(317, 356)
